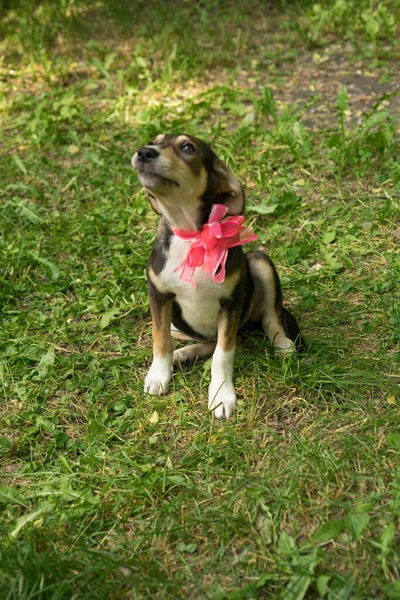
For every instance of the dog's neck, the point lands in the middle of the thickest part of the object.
(181, 216)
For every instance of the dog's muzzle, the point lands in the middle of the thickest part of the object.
(147, 154)
(150, 171)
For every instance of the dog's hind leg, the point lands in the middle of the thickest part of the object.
(277, 322)
(178, 335)
(188, 353)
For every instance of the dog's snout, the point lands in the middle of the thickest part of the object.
(147, 154)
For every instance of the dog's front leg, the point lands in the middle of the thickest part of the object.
(221, 392)
(159, 375)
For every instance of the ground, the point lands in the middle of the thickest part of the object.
(108, 493)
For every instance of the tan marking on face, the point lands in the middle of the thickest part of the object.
(171, 166)
(159, 138)
(177, 182)
(182, 138)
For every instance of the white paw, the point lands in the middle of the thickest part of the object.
(189, 353)
(183, 355)
(284, 348)
(222, 399)
(159, 376)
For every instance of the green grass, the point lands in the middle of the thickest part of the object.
(106, 493)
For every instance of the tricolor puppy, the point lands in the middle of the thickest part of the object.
(201, 285)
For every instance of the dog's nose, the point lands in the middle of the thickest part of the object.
(147, 154)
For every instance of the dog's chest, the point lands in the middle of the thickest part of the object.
(200, 305)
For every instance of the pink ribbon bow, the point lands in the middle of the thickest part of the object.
(209, 247)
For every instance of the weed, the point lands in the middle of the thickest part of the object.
(353, 19)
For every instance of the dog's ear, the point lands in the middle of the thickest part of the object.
(230, 191)
(154, 203)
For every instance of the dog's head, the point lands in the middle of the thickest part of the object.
(181, 172)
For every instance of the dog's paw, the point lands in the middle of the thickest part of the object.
(183, 356)
(159, 376)
(222, 399)
(284, 349)
(189, 353)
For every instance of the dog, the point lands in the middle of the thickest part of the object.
(201, 285)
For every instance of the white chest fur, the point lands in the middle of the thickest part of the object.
(200, 305)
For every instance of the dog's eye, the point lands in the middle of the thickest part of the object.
(188, 148)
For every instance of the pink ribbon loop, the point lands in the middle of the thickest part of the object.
(209, 247)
